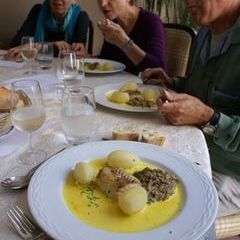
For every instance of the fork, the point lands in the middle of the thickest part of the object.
(23, 225)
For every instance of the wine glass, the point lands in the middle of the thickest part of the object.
(28, 52)
(27, 113)
(67, 68)
(45, 55)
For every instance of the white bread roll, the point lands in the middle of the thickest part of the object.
(125, 133)
(5, 98)
(153, 137)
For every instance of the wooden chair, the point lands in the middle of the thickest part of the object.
(178, 43)
(228, 226)
(89, 44)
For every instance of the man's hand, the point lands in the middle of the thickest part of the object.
(155, 76)
(13, 53)
(183, 109)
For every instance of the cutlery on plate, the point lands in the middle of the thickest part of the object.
(18, 182)
(23, 225)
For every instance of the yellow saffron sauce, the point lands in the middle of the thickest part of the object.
(89, 204)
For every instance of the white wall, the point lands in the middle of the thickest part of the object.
(13, 13)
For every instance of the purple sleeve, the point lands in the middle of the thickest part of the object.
(154, 44)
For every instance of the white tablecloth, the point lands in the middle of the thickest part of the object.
(187, 141)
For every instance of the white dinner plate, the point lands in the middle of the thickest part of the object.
(116, 66)
(101, 92)
(46, 202)
(5, 131)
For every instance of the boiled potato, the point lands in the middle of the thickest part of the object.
(106, 67)
(132, 198)
(83, 172)
(122, 159)
(149, 95)
(129, 87)
(120, 97)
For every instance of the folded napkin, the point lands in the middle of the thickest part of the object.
(10, 142)
(44, 79)
(11, 64)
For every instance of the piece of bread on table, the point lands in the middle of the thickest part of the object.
(153, 137)
(126, 133)
(5, 98)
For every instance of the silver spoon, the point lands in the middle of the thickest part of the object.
(18, 182)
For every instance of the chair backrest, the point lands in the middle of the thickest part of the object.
(89, 43)
(178, 43)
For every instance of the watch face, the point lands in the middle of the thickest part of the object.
(209, 129)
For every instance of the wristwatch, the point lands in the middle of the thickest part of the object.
(210, 127)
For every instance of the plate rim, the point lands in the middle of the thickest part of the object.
(99, 93)
(121, 68)
(37, 208)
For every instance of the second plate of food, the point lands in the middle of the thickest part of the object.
(102, 66)
(130, 97)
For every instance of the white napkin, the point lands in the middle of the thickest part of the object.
(10, 142)
(11, 64)
(44, 79)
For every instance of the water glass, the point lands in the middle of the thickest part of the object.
(78, 114)
(81, 69)
(67, 68)
(45, 55)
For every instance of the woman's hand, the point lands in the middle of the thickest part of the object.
(62, 45)
(113, 33)
(79, 49)
(183, 109)
(155, 76)
(14, 53)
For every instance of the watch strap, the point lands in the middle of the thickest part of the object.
(215, 119)
(210, 127)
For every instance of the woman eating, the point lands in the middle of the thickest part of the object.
(132, 36)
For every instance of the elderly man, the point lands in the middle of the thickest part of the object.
(209, 97)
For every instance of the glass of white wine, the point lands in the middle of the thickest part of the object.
(28, 52)
(28, 114)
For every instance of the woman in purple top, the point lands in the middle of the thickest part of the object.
(132, 36)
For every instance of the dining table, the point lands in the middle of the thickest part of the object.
(187, 141)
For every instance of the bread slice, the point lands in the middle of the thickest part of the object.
(126, 133)
(5, 121)
(153, 137)
(5, 98)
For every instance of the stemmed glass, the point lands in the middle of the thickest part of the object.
(45, 55)
(27, 113)
(28, 52)
(67, 67)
